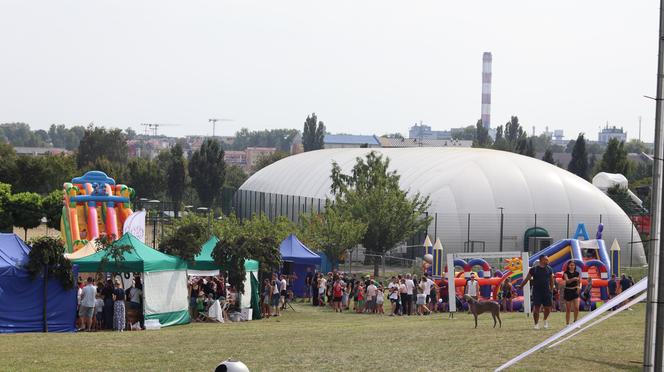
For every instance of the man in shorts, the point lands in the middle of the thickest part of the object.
(86, 311)
(543, 282)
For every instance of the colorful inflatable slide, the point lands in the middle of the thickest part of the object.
(591, 257)
(93, 205)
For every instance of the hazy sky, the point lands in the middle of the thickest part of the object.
(368, 67)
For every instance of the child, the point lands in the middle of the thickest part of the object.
(379, 300)
(360, 298)
(200, 304)
(99, 308)
(208, 302)
(421, 299)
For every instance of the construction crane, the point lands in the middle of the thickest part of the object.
(214, 123)
(153, 128)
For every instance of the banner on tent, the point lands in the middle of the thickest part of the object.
(135, 225)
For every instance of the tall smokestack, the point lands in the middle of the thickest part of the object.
(486, 90)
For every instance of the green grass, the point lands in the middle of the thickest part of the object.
(315, 339)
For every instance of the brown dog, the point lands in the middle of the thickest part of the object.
(479, 307)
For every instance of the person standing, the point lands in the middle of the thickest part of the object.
(613, 286)
(393, 289)
(283, 291)
(473, 287)
(107, 294)
(337, 293)
(308, 279)
(118, 307)
(136, 300)
(410, 285)
(586, 295)
(506, 293)
(571, 294)
(87, 309)
(371, 297)
(543, 281)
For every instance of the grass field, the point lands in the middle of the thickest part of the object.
(314, 339)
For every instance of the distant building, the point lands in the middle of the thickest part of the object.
(335, 141)
(422, 131)
(35, 151)
(607, 133)
(238, 158)
(415, 142)
(255, 153)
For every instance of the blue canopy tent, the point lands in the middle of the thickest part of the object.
(22, 299)
(297, 258)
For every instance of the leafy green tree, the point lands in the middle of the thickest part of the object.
(467, 133)
(393, 135)
(26, 210)
(528, 148)
(313, 134)
(482, 138)
(115, 170)
(265, 160)
(500, 143)
(636, 146)
(146, 177)
(207, 170)
(235, 176)
(6, 220)
(579, 163)
(46, 260)
(8, 170)
(52, 205)
(281, 139)
(615, 159)
(371, 194)
(176, 177)
(186, 237)
(66, 138)
(256, 238)
(98, 142)
(332, 232)
(548, 156)
(43, 174)
(19, 134)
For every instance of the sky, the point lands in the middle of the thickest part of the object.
(364, 67)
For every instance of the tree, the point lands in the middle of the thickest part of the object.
(281, 139)
(8, 170)
(207, 171)
(26, 210)
(548, 156)
(332, 232)
(371, 194)
(529, 148)
(637, 146)
(66, 138)
(176, 177)
(52, 205)
(6, 220)
(146, 177)
(46, 260)
(467, 133)
(186, 237)
(19, 134)
(235, 176)
(615, 159)
(482, 138)
(313, 134)
(43, 174)
(98, 142)
(579, 163)
(265, 160)
(393, 135)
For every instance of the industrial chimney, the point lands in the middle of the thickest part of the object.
(486, 90)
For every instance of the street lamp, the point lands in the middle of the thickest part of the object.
(501, 228)
(153, 205)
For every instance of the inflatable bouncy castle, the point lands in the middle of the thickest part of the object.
(93, 205)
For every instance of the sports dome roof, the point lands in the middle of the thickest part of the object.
(462, 181)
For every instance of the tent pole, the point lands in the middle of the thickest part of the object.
(45, 297)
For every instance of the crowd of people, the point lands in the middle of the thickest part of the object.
(106, 305)
(204, 291)
(412, 295)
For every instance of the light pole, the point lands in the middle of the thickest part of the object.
(153, 204)
(501, 228)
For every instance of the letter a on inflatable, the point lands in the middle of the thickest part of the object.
(581, 232)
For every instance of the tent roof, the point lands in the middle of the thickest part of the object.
(140, 258)
(86, 250)
(292, 249)
(205, 261)
(13, 255)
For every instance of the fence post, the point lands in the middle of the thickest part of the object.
(567, 236)
(382, 258)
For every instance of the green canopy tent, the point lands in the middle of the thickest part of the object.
(164, 278)
(204, 265)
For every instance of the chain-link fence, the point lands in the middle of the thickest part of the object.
(478, 232)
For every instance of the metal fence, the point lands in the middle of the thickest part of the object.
(474, 232)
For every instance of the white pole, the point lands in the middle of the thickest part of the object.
(526, 289)
(451, 291)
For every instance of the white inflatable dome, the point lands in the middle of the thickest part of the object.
(463, 181)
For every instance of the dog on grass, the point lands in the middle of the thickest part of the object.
(479, 307)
